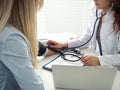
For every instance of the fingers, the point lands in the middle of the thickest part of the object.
(56, 44)
(86, 60)
(51, 42)
(90, 61)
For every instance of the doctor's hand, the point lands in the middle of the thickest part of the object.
(90, 60)
(56, 44)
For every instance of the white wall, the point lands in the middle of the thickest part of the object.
(64, 16)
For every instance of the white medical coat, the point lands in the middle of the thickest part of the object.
(110, 40)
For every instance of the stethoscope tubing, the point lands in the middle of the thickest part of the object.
(91, 35)
(63, 54)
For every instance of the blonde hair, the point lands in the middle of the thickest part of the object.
(5, 10)
(22, 14)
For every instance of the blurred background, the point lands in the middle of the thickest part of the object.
(58, 16)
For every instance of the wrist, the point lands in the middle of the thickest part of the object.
(65, 45)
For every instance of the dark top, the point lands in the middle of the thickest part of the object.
(42, 49)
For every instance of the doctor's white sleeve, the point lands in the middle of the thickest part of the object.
(84, 40)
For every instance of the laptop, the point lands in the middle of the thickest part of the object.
(68, 77)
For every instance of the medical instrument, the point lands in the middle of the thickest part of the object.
(68, 56)
(97, 32)
(97, 18)
(72, 57)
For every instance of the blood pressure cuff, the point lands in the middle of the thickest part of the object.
(42, 49)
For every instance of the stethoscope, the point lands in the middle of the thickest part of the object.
(97, 18)
(63, 54)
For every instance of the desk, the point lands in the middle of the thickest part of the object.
(48, 78)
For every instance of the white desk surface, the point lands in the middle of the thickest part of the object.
(48, 78)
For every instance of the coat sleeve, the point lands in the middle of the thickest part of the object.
(84, 40)
(17, 58)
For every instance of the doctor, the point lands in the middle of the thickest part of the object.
(103, 35)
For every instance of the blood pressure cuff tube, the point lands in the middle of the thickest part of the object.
(42, 49)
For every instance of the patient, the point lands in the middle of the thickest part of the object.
(18, 45)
